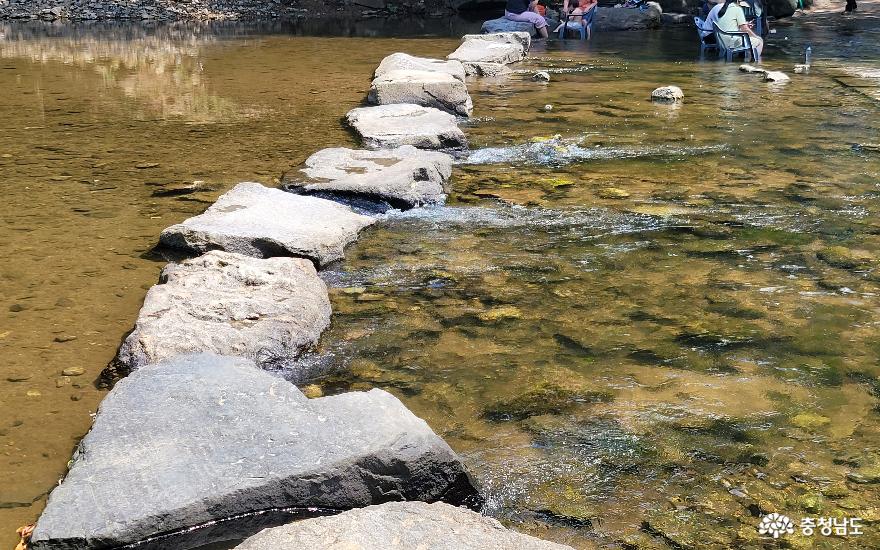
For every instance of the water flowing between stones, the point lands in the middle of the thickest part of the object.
(629, 317)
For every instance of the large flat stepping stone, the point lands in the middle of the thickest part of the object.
(426, 88)
(503, 48)
(404, 177)
(403, 61)
(258, 221)
(398, 525)
(268, 311)
(202, 438)
(387, 126)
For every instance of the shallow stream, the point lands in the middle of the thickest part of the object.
(639, 324)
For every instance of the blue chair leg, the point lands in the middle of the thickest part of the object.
(583, 30)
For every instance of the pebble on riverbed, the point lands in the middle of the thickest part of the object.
(541, 76)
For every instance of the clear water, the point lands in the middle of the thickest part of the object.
(638, 324)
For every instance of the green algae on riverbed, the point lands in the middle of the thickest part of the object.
(654, 368)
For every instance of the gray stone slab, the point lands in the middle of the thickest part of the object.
(427, 88)
(403, 61)
(387, 126)
(197, 439)
(258, 221)
(268, 311)
(403, 176)
(398, 525)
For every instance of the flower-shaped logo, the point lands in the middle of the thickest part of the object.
(775, 524)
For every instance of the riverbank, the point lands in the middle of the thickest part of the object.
(206, 10)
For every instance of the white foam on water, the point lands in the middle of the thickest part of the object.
(560, 151)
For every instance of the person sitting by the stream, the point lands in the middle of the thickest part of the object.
(708, 30)
(576, 15)
(525, 11)
(732, 18)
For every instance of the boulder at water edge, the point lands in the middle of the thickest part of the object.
(503, 24)
(404, 177)
(405, 62)
(406, 124)
(628, 19)
(265, 310)
(507, 47)
(398, 525)
(427, 88)
(258, 221)
(201, 438)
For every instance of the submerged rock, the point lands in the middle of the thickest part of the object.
(404, 176)
(258, 221)
(505, 47)
(667, 94)
(202, 438)
(406, 124)
(427, 88)
(402, 61)
(405, 525)
(264, 310)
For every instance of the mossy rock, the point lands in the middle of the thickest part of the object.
(612, 193)
(544, 398)
(844, 258)
(500, 313)
(810, 421)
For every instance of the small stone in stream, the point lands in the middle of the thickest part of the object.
(33, 393)
(810, 421)
(398, 525)
(746, 68)
(612, 193)
(73, 371)
(801, 69)
(354, 290)
(542, 76)
(776, 76)
(667, 94)
(19, 377)
(313, 391)
(65, 338)
(548, 108)
(145, 165)
(64, 302)
(15, 308)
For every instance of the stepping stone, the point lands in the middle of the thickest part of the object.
(426, 88)
(203, 438)
(503, 48)
(254, 220)
(406, 124)
(402, 61)
(268, 311)
(398, 525)
(404, 177)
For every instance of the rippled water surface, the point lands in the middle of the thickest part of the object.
(639, 324)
